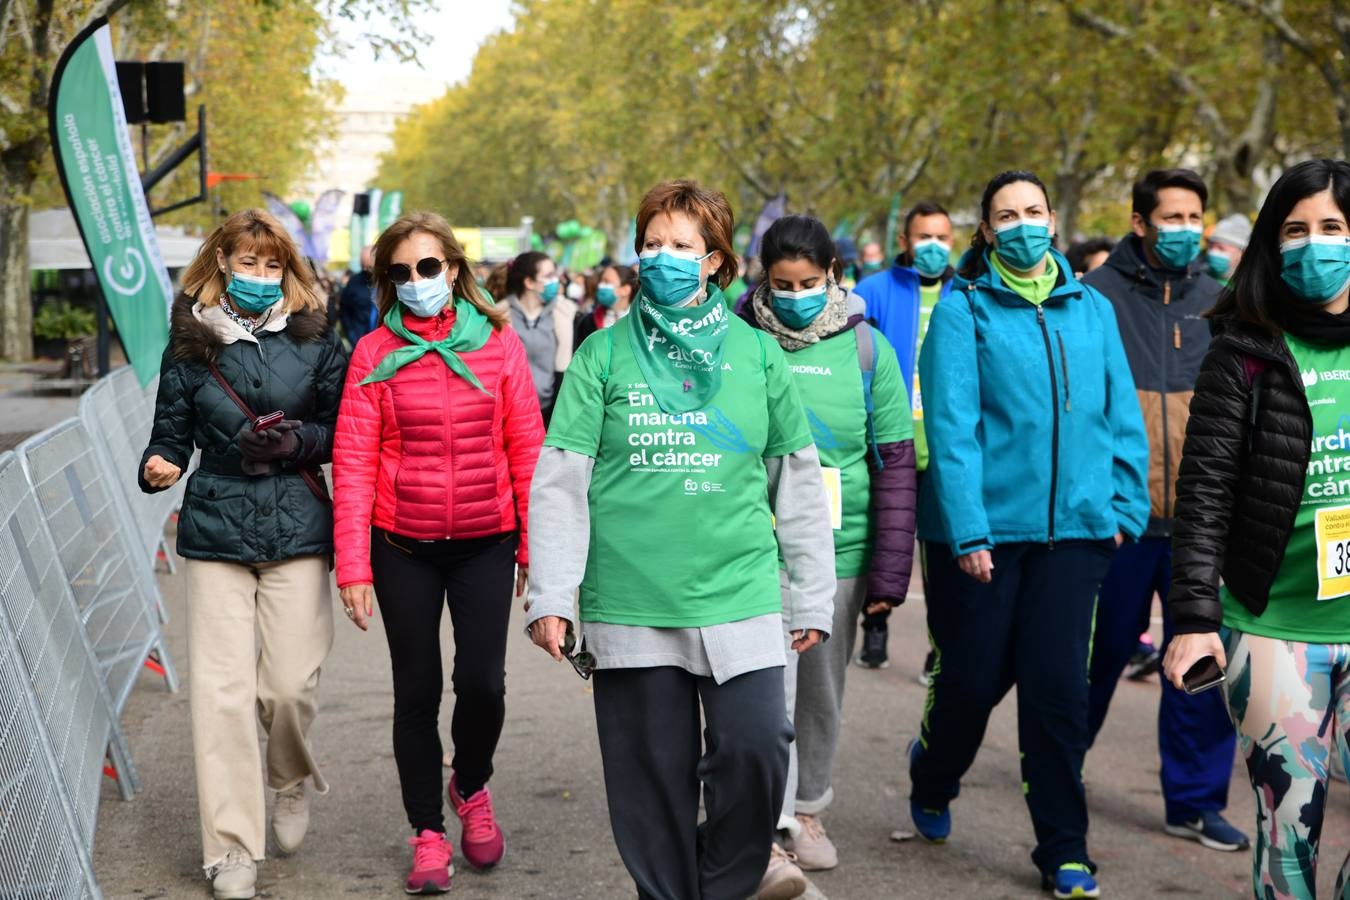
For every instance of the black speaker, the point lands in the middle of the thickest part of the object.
(361, 205)
(164, 92)
(131, 80)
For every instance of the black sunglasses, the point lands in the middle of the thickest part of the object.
(583, 662)
(401, 273)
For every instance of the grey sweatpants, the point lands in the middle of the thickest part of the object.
(813, 684)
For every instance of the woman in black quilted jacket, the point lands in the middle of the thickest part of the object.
(256, 527)
(1263, 502)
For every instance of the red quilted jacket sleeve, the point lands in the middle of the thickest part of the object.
(356, 463)
(522, 431)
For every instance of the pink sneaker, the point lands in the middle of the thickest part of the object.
(431, 869)
(481, 839)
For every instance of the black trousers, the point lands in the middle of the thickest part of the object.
(1031, 626)
(654, 761)
(413, 581)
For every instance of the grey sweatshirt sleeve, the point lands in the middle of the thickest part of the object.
(560, 532)
(805, 537)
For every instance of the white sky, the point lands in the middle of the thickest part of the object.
(458, 28)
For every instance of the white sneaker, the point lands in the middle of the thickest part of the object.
(290, 818)
(782, 879)
(812, 847)
(235, 877)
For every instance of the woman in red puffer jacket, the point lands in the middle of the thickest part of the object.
(437, 438)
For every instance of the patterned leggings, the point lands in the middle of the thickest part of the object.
(1291, 704)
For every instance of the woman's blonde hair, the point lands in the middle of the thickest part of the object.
(254, 231)
(435, 225)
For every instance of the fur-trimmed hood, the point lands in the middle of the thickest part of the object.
(194, 341)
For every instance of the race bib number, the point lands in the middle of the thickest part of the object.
(834, 492)
(1333, 552)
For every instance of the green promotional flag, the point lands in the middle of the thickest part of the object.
(391, 207)
(98, 172)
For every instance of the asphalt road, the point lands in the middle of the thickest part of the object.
(549, 795)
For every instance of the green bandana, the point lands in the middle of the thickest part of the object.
(470, 332)
(679, 349)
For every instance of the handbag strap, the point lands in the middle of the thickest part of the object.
(313, 479)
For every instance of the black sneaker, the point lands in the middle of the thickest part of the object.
(926, 676)
(873, 655)
(1145, 662)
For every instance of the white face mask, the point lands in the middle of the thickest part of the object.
(576, 291)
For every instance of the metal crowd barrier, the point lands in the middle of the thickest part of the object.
(103, 560)
(119, 416)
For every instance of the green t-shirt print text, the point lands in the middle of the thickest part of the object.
(681, 534)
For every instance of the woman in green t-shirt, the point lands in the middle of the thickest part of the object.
(1263, 500)
(677, 439)
(856, 404)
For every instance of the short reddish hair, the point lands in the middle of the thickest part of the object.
(709, 209)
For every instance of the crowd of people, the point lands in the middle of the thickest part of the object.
(710, 478)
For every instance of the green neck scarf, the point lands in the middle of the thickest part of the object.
(1033, 290)
(470, 332)
(679, 349)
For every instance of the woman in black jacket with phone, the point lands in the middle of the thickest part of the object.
(252, 376)
(1263, 502)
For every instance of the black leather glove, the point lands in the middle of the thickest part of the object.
(275, 444)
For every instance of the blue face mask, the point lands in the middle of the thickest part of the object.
(550, 291)
(605, 295)
(1219, 263)
(670, 277)
(1177, 245)
(253, 294)
(1316, 268)
(871, 265)
(797, 309)
(423, 298)
(1022, 243)
(931, 258)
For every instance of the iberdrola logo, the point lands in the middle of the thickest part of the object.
(1309, 377)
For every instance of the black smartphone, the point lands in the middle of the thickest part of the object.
(1202, 676)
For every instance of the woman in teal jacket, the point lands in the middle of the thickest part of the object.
(1036, 474)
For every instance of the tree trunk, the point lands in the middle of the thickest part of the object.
(16, 306)
(1068, 197)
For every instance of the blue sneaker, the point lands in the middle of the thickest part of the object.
(933, 825)
(1072, 880)
(1211, 830)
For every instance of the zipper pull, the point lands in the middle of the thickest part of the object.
(1040, 314)
(1176, 336)
(1167, 293)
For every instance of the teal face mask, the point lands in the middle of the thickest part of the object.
(550, 291)
(797, 309)
(670, 277)
(1219, 263)
(605, 295)
(931, 258)
(253, 294)
(1023, 243)
(1177, 245)
(1316, 268)
(872, 266)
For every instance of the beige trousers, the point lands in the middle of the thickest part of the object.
(235, 681)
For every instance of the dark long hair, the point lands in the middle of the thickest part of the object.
(973, 264)
(524, 266)
(1257, 295)
(799, 237)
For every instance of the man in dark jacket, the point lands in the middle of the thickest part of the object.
(1160, 291)
(357, 306)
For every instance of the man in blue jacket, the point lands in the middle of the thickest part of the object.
(1160, 291)
(900, 301)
